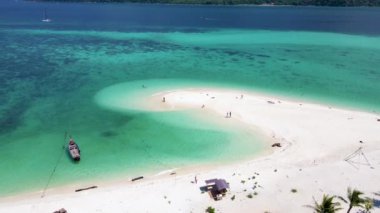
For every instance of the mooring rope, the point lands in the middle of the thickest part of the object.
(55, 167)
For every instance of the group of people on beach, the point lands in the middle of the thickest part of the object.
(228, 115)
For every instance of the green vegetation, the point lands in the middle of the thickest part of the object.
(326, 206)
(354, 199)
(339, 3)
(210, 210)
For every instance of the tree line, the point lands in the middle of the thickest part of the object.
(335, 3)
(354, 199)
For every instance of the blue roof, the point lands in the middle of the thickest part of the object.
(220, 184)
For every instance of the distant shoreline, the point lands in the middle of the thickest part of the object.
(257, 3)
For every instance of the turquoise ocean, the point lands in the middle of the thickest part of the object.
(51, 75)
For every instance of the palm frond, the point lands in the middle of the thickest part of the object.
(327, 205)
(342, 199)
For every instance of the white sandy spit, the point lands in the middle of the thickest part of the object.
(315, 141)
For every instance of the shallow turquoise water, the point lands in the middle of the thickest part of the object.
(50, 80)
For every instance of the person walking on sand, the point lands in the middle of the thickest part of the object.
(195, 179)
(163, 99)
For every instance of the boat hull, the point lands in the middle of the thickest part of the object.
(74, 150)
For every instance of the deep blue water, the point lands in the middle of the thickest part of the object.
(140, 17)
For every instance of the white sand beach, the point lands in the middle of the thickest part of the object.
(315, 139)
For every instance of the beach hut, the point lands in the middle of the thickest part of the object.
(217, 188)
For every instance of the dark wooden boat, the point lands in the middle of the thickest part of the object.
(74, 150)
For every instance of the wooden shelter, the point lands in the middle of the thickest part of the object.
(217, 188)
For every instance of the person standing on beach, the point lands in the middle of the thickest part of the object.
(163, 99)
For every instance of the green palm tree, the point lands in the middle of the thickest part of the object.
(326, 206)
(354, 199)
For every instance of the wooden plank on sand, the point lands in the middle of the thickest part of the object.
(91, 187)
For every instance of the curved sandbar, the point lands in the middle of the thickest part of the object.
(316, 132)
(317, 138)
(235, 142)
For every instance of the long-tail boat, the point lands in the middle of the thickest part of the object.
(74, 150)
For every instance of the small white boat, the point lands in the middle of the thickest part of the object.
(74, 150)
(45, 19)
